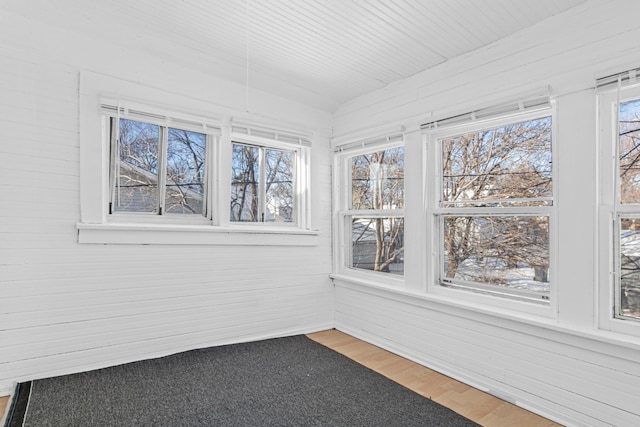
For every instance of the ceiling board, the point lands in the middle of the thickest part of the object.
(320, 52)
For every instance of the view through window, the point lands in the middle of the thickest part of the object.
(262, 184)
(627, 289)
(495, 202)
(157, 169)
(376, 216)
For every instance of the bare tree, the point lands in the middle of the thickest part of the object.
(278, 167)
(505, 166)
(629, 152)
(279, 183)
(185, 171)
(244, 183)
(137, 167)
(378, 184)
(629, 187)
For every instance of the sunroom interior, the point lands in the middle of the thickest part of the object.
(181, 175)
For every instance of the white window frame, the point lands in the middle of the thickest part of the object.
(475, 294)
(113, 111)
(614, 91)
(266, 139)
(343, 153)
(96, 226)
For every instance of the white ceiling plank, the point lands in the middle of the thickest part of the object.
(326, 51)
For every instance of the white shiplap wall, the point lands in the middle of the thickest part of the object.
(566, 367)
(67, 307)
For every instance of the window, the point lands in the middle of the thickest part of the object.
(372, 209)
(620, 199)
(157, 169)
(161, 173)
(627, 289)
(262, 184)
(494, 207)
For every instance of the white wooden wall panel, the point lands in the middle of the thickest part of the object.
(67, 307)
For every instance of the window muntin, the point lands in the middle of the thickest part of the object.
(495, 190)
(157, 169)
(262, 184)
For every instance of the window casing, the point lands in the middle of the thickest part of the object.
(619, 235)
(490, 208)
(370, 219)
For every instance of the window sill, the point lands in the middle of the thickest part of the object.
(175, 234)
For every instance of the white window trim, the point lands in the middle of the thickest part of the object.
(344, 149)
(302, 182)
(96, 226)
(609, 210)
(431, 136)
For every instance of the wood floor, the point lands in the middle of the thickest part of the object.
(3, 404)
(474, 404)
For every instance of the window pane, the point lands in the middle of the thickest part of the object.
(185, 172)
(508, 162)
(629, 151)
(137, 168)
(279, 180)
(629, 289)
(510, 252)
(377, 180)
(377, 244)
(244, 183)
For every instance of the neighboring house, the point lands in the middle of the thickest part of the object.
(137, 191)
(364, 247)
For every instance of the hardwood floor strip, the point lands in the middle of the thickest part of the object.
(472, 403)
(4, 401)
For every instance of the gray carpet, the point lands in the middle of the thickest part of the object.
(290, 381)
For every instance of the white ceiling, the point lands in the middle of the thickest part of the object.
(321, 52)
